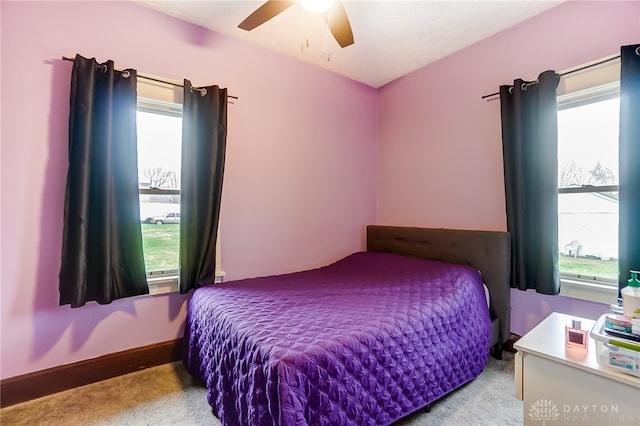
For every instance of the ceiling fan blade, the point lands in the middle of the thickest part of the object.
(338, 22)
(265, 12)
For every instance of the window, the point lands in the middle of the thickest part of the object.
(159, 126)
(588, 192)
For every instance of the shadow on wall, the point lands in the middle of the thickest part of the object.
(529, 308)
(199, 36)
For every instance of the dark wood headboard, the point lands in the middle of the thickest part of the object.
(487, 251)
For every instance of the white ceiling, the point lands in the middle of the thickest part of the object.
(392, 38)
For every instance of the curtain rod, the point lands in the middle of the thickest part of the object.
(566, 72)
(147, 77)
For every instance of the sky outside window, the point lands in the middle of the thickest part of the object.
(588, 134)
(159, 146)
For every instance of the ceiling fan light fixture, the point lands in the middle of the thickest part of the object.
(317, 6)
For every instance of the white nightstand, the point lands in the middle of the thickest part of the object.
(564, 389)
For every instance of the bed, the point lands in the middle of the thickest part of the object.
(365, 340)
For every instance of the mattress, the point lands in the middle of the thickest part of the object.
(363, 341)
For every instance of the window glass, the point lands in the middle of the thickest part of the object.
(588, 144)
(588, 187)
(159, 156)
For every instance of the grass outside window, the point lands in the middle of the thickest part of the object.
(161, 246)
(588, 267)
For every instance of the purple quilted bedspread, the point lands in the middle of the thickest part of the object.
(364, 341)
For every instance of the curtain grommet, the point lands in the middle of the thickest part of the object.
(126, 74)
(523, 87)
(103, 67)
(202, 90)
(638, 51)
(511, 90)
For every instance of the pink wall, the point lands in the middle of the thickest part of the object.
(299, 185)
(440, 152)
(303, 173)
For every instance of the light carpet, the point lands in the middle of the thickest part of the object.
(167, 395)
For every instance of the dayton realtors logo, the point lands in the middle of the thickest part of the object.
(544, 410)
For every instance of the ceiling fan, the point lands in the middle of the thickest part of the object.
(333, 12)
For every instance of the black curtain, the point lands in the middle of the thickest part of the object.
(204, 138)
(102, 257)
(530, 153)
(629, 213)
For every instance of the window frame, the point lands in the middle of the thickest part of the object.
(598, 89)
(165, 281)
